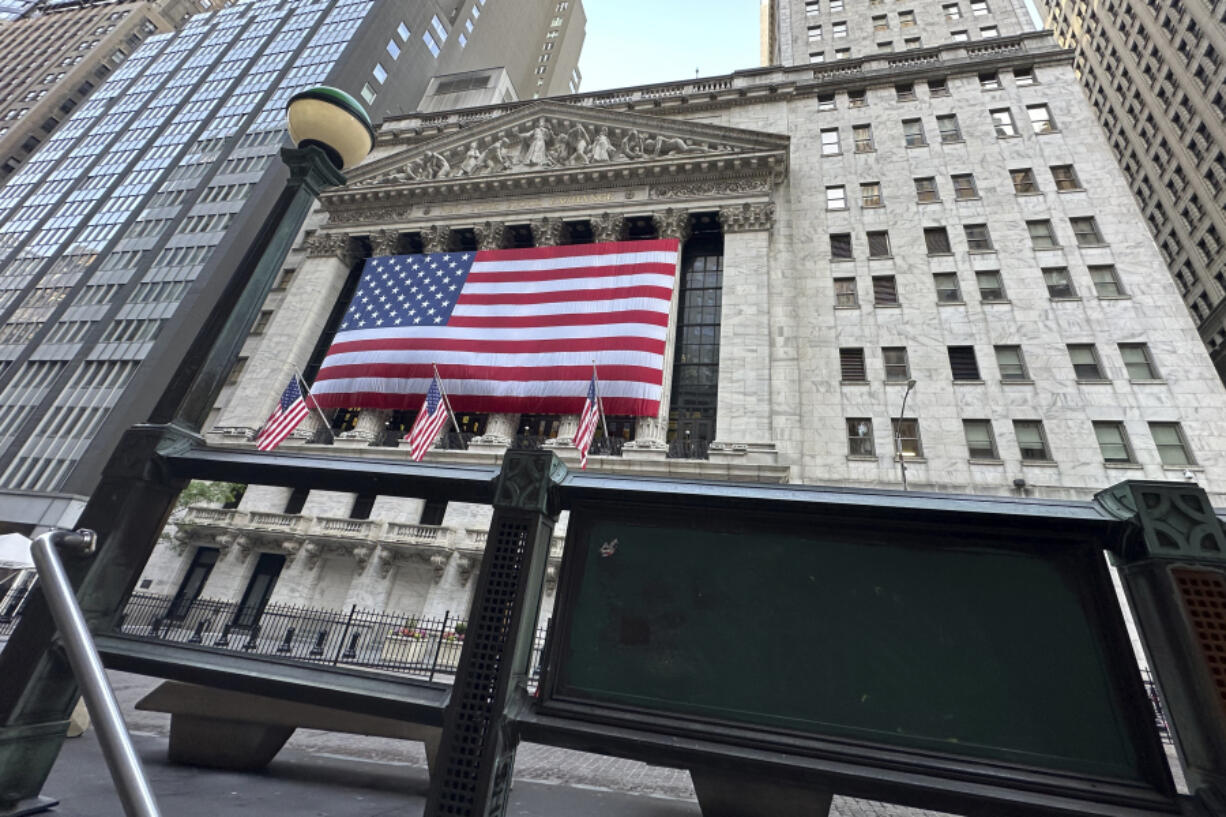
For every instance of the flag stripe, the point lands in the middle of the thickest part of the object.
(553, 346)
(558, 319)
(615, 334)
(564, 278)
(491, 403)
(588, 252)
(461, 364)
(644, 295)
(533, 382)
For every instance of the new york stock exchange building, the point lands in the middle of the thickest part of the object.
(884, 272)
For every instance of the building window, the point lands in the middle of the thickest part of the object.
(840, 246)
(825, 102)
(913, 133)
(980, 441)
(1084, 358)
(432, 512)
(442, 32)
(1138, 362)
(991, 286)
(851, 365)
(926, 190)
(1023, 180)
(963, 364)
(393, 50)
(912, 42)
(261, 322)
(380, 73)
(1065, 177)
(1040, 119)
(1085, 229)
(881, 22)
(979, 8)
(864, 138)
(960, 36)
(402, 31)
(830, 142)
(816, 57)
(363, 504)
(259, 589)
(906, 19)
(964, 186)
(1024, 76)
(897, 366)
(858, 99)
(193, 583)
(885, 291)
(842, 53)
(936, 239)
(836, 197)
(815, 33)
(1113, 442)
(947, 287)
(978, 239)
(860, 437)
(878, 244)
(1106, 281)
(870, 194)
(906, 438)
(1010, 362)
(1002, 120)
(886, 47)
(988, 32)
(692, 413)
(938, 87)
(950, 130)
(952, 11)
(1059, 283)
(1031, 441)
(433, 46)
(1042, 234)
(989, 81)
(1172, 445)
(905, 91)
(838, 29)
(845, 293)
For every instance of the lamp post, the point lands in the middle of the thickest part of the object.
(135, 495)
(902, 411)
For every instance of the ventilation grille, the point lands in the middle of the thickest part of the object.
(1204, 600)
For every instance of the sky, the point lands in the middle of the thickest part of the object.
(637, 42)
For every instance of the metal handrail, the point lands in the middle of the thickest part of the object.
(125, 767)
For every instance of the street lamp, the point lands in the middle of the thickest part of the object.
(902, 411)
(331, 132)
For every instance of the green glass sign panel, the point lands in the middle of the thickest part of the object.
(913, 640)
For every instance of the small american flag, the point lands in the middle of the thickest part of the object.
(429, 422)
(285, 418)
(587, 423)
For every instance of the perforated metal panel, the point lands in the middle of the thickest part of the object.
(479, 703)
(1204, 599)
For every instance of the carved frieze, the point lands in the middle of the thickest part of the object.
(697, 190)
(747, 217)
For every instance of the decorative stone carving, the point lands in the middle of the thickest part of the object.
(292, 548)
(439, 562)
(362, 555)
(732, 187)
(384, 562)
(435, 239)
(547, 232)
(491, 235)
(464, 565)
(747, 217)
(551, 578)
(368, 215)
(243, 547)
(385, 242)
(237, 432)
(179, 541)
(313, 553)
(330, 245)
(608, 227)
(672, 224)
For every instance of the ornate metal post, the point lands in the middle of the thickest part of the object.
(477, 754)
(135, 496)
(1172, 560)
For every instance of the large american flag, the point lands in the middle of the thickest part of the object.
(285, 417)
(513, 331)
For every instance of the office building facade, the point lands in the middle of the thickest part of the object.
(120, 233)
(1155, 75)
(919, 257)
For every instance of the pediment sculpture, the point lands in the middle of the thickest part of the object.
(551, 136)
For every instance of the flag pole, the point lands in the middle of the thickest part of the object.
(446, 400)
(307, 391)
(600, 404)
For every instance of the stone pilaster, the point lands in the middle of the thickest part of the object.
(491, 235)
(745, 342)
(368, 429)
(435, 238)
(293, 331)
(608, 227)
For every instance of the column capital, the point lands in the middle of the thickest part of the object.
(672, 224)
(607, 227)
(332, 245)
(435, 238)
(547, 232)
(747, 217)
(385, 242)
(491, 235)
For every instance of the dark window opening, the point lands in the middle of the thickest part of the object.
(259, 590)
(297, 499)
(362, 506)
(432, 512)
(193, 583)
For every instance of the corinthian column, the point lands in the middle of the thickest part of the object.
(651, 432)
(435, 239)
(368, 429)
(385, 242)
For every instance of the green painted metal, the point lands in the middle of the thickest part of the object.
(1167, 520)
(953, 639)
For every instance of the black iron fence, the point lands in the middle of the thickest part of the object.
(387, 641)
